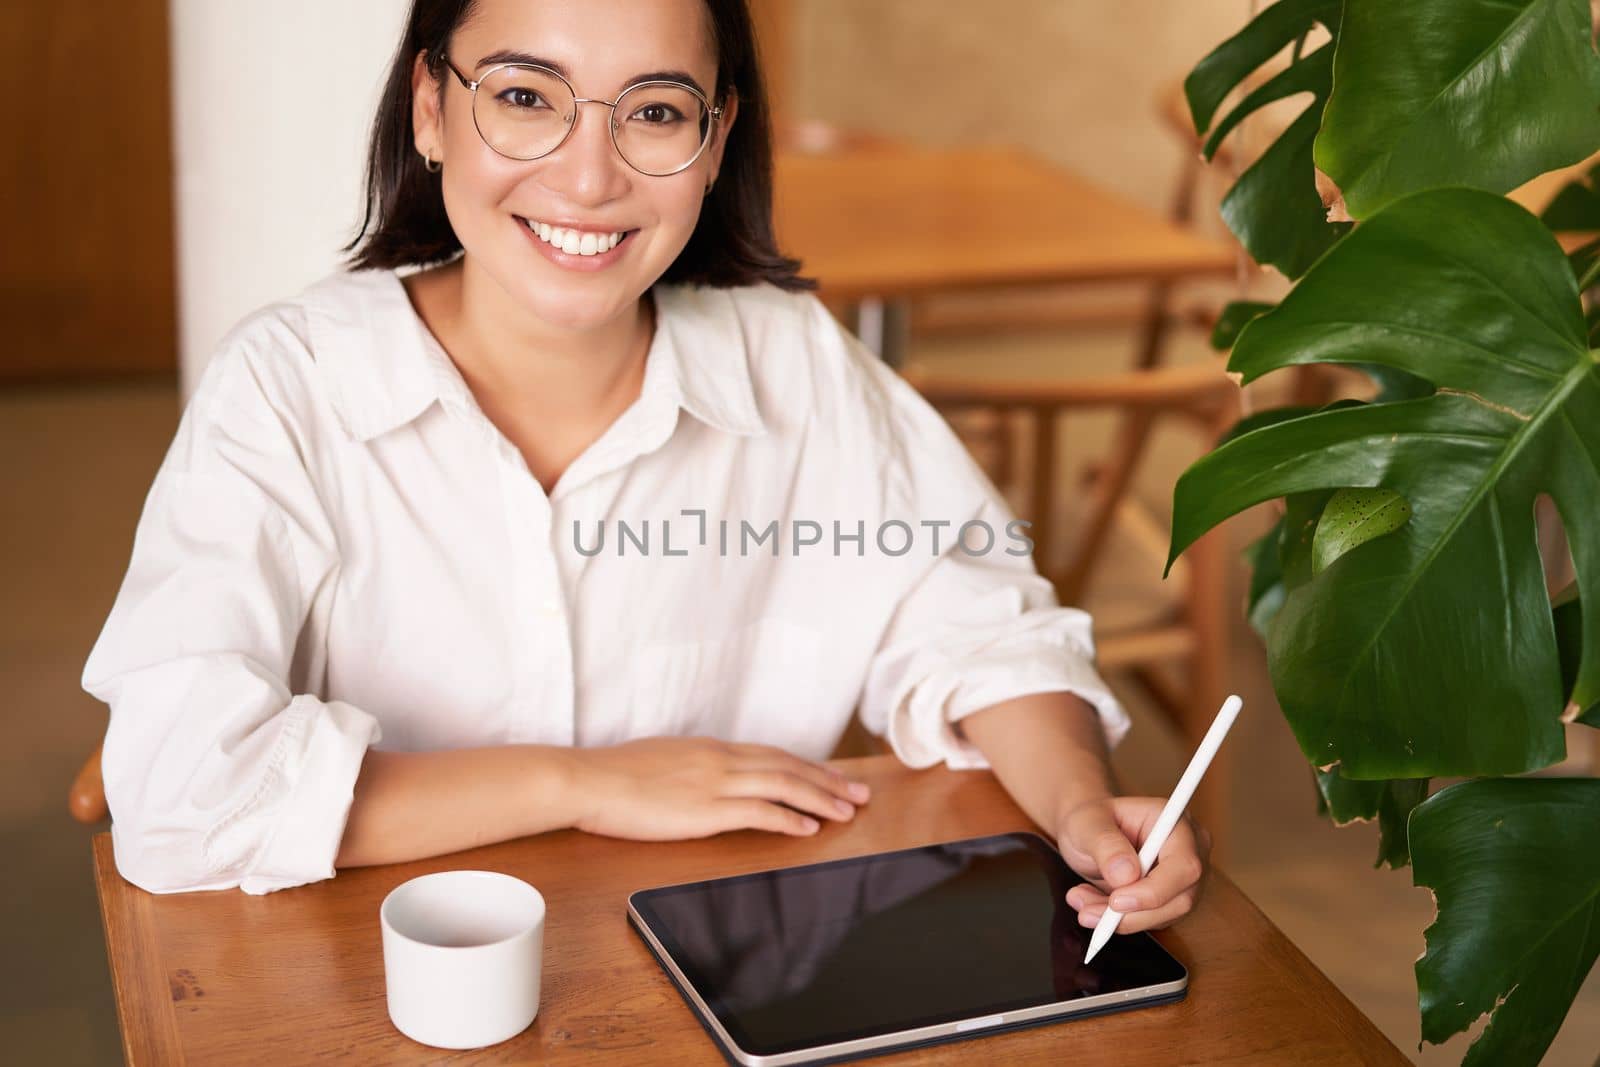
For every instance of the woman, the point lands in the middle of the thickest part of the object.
(602, 523)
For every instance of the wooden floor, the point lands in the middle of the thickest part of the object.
(80, 464)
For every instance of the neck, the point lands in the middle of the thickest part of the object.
(559, 375)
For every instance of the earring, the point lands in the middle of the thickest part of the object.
(431, 165)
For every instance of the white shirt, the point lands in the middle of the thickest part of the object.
(340, 550)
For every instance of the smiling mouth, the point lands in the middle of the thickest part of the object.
(576, 242)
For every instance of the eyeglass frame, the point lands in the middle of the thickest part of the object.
(472, 87)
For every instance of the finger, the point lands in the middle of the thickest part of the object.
(1170, 877)
(1154, 919)
(1099, 835)
(820, 774)
(1176, 871)
(792, 789)
(745, 813)
(771, 757)
(1085, 896)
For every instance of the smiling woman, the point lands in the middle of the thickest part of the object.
(355, 630)
(728, 241)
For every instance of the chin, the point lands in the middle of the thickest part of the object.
(578, 305)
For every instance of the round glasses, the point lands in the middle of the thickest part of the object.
(525, 112)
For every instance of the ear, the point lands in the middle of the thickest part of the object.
(427, 120)
(719, 140)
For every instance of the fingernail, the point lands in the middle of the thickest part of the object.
(843, 807)
(1123, 868)
(811, 825)
(1125, 903)
(859, 790)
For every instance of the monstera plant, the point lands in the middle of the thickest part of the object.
(1402, 595)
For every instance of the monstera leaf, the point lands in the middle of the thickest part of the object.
(1487, 93)
(1514, 865)
(1390, 802)
(1274, 208)
(1429, 651)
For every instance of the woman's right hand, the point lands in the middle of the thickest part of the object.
(670, 788)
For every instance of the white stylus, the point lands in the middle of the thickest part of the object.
(1170, 814)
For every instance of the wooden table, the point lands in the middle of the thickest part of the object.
(898, 221)
(297, 976)
(881, 223)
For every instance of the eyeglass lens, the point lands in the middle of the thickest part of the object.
(525, 114)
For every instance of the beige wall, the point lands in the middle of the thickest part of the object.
(1077, 81)
(271, 104)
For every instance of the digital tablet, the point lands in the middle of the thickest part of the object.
(877, 953)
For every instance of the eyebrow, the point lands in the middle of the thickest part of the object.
(506, 56)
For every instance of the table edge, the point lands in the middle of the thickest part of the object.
(125, 919)
(150, 1034)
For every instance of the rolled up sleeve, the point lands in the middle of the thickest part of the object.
(973, 630)
(217, 775)
(973, 634)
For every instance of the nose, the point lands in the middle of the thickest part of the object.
(586, 169)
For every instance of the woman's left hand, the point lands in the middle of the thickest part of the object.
(1100, 840)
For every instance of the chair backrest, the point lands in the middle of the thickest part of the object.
(1200, 395)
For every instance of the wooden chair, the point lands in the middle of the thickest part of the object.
(86, 800)
(1098, 546)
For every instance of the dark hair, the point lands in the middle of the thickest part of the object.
(405, 224)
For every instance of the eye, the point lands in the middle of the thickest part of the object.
(657, 114)
(519, 97)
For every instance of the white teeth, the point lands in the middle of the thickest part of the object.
(573, 242)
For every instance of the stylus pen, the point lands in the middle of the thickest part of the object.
(1170, 814)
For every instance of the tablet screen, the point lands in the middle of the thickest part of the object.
(854, 948)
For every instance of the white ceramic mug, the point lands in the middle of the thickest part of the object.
(463, 952)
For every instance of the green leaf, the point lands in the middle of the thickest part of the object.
(1266, 592)
(1265, 417)
(1431, 651)
(1584, 261)
(1302, 513)
(1215, 76)
(1577, 205)
(1308, 74)
(1514, 865)
(1487, 93)
(1352, 518)
(1274, 208)
(1389, 801)
(1232, 320)
(1288, 544)
(1396, 384)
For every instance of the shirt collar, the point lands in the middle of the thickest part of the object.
(384, 369)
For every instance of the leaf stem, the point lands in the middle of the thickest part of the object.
(1590, 276)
